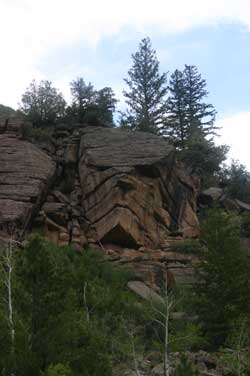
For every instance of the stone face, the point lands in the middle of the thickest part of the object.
(25, 172)
(134, 194)
(120, 191)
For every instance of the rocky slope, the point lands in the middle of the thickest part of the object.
(89, 186)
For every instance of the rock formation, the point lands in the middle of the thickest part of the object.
(92, 186)
(25, 174)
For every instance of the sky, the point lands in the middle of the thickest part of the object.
(61, 40)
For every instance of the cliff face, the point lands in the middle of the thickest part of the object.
(25, 172)
(90, 186)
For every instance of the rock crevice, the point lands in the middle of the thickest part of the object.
(97, 186)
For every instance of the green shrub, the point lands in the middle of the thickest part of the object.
(223, 286)
(186, 336)
(75, 312)
(236, 179)
(236, 356)
(58, 370)
(245, 225)
(185, 368)
(37, 134)
(188, 246)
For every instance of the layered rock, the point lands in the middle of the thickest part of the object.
(92, 186)
(25, 174)
(216, 196)
(134, 194)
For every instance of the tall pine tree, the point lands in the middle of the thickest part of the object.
(223, 286)
(188, 113)
(147, 89)
(83, 95)
(94, 107)
(198, 113)
(176, 127)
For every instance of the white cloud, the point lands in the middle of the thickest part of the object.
(31, 28)
(235, 132)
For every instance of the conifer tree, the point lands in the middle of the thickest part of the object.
(82, 95)
(188, 113)
(146, 94)
(198, 113)
(223, 287)
(94, 107)
(176, 127)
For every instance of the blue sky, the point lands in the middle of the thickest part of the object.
(220, 52)
(60, 40)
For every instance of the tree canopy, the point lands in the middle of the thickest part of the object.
(43, 104)
(147, 89)
(90, 106)
(187, 111)
(223, 279)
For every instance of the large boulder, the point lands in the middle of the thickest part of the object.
(25, 172)
(120, 191)
(134, 194)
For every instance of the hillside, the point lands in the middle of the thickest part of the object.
(97, 187)
(126, 195)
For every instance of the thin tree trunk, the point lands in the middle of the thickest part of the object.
(8, 283)
(166, 360)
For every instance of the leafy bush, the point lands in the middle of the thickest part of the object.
(185, 368)
(58, 370)
(237, 362)
(223, 286)
(236, 356)
(43, 104)
(37, 134)
(245, 225)
(188, 246)
(203, 157)
(236, 179)
(73, 315)
(186, 336)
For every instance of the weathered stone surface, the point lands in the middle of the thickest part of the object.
(214, 192)
(12, 125)
(154, 266)
(25, 173)
(120, 191)
(134, 194)
(243, 205)
(145, 292)
(214, 195)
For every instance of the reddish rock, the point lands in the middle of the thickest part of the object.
(134, 194)
(25, 173)
(120, 191)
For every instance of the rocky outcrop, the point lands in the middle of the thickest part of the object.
(214, 195)
(25, 175)
(156, 266)
(202, 363)
(134, 194)
(91, 186)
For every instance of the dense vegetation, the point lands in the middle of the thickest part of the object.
(68, 313)
(176, 110)
(64, 313)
